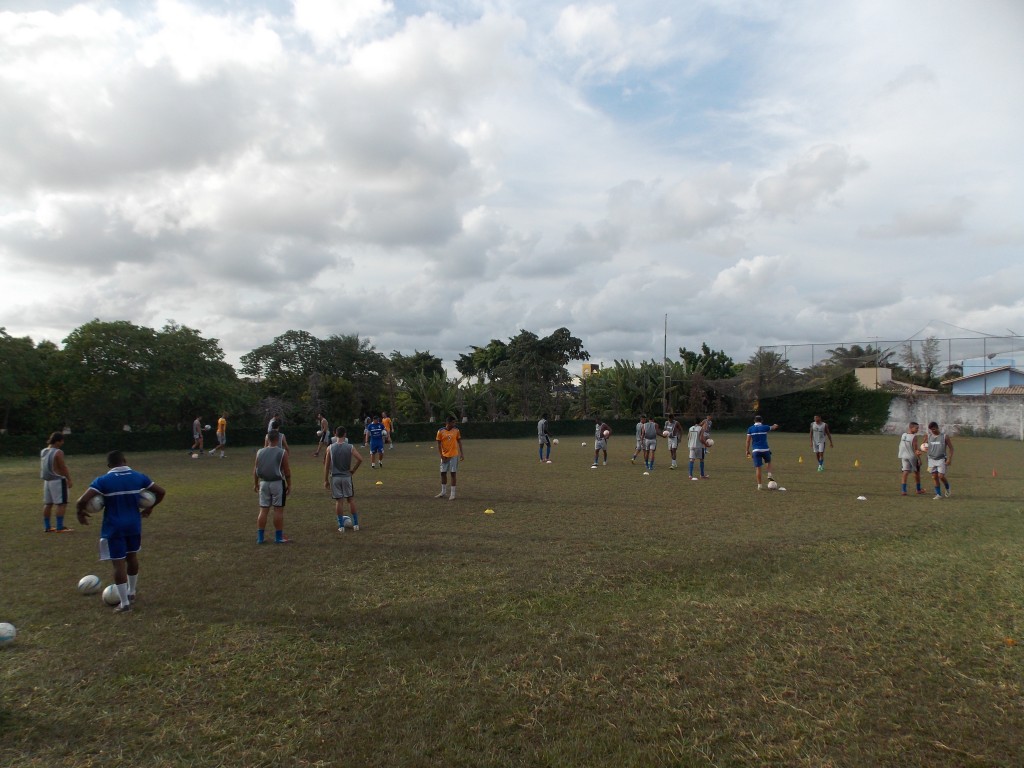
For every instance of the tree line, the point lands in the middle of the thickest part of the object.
(113, 374)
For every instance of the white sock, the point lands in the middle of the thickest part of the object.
(452, 496)
(444, 489)
(132, 581)
(122, 592)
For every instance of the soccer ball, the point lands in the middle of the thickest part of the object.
(146, 499)
(772, 485)
(346, 521)
(319, 433)
(110, 595)
(665, 433)
(607, 433)
(555, 441)
(7, 633)
(207, 428)
(96, 503)
(710, 442)
(89, 585)
(583, 444)
(924, 447)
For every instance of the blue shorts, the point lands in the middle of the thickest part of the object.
(376, 446)
(762, 457)
(119, 546)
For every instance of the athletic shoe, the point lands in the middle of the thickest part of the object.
(355, 527)
(692, 477)
(595, 464)
(672, 466)
(285, 540)
(903, 493)
(63, 530)
(760, 487)
(123, 608)
(50, 530)
(606, 462)
(948, 493)
(442, 494)
(341, 530)
(821, 468)
(921, 492)
(631, 461)
(936, 496)
(452, 497)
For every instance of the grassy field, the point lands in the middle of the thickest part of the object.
(596, 618)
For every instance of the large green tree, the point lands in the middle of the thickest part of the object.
(21, 373)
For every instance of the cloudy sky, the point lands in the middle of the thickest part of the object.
(432, 174)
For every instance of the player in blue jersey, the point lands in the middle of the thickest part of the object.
(376, 435)
(758, 450)
(121, 531)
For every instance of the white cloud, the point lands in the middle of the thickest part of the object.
(249, 168)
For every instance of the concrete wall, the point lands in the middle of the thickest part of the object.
(998, 414)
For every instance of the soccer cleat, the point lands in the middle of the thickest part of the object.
(760, 487)
(594, 465)
(705, 477)
(123, 608)
(936, 496)
(606, 462)
(692, 477)
(948, 493)
(131, 598)
(442, 494)
(821, 468)
(62, 530)
(452, 497)
(50, 530)
(285, 540)
(633, 460)
(341, 529)
(921, 492)
(903, 493)
(355, 527)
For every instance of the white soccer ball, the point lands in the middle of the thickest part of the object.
(7, 633)
(96, 503)
(647, 474)
(924, 447)
(555, 441)
(772, 485)
(146, 499)
(207, 428)
(607, 433)
(89, 585)
(584, 445)
(346, 521)
(666, 433)
(710, 442)
(195, 455)
(110, 595)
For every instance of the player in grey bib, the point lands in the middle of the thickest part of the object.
(340, 464)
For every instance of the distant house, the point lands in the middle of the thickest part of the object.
(881, 378)
(1003, 380)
